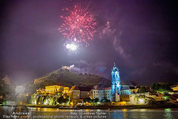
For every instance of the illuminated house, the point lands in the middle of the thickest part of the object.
(97, 93)
(174, 94)
(66, 90)
(101, 94)
(175, 88)
(125, 93)
(53, 89)
(84, 92)
(107, 94)
(116, 84)
(94, 93)
(75, 94)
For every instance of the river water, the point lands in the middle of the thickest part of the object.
(55, 113)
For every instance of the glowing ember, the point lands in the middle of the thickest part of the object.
(78, 26)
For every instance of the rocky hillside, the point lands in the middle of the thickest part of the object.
(69, 78)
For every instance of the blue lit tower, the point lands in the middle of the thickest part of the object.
(116, 84)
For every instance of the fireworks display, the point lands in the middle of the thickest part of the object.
(78, 26)
(71, 46)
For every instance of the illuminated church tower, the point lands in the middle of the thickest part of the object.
(116, 84)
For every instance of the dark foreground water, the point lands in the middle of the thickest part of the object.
(54, 113)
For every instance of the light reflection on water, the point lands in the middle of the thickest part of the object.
(55, 113)
(168, 114)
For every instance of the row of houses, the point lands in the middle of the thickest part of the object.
(77, 93)
(128, 93)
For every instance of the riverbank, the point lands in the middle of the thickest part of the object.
(101, 107)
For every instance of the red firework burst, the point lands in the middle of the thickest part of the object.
(78, 26)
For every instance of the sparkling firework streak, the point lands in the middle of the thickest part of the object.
(78, 26)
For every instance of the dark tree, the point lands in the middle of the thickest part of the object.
(161, 87)
(142, 89)
(95, 100)
(87, 100)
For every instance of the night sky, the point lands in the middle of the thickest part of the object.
(139, 36)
